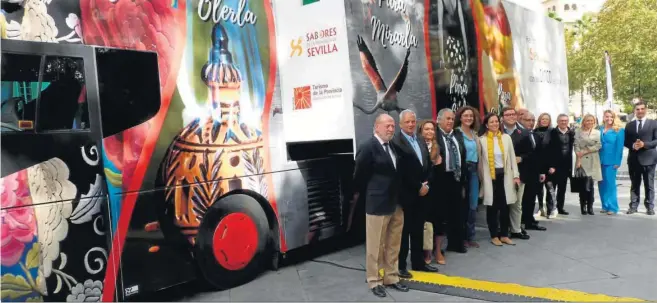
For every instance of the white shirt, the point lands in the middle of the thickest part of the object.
(392, 155)
(497, 153)
(458, 150)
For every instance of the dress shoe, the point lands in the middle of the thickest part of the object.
(458, 249)
(563, 212)
(472, 244)
(650, 212)
(404, 274)
(535, 226)
(398, 286)
(507, 241)
(425, 267)
(523, 231)
(496, 241)
(520, 236)
(379, 291)
(631, 211)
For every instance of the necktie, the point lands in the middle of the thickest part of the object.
(385, 147)
(531, 136)
(640, 124)
(455, 161)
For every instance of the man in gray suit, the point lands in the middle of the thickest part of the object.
(641, 140)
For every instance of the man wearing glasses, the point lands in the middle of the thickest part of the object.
(523, 148)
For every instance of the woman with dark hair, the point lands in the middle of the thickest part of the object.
(542, 129)
(427, 130)
(500, 176)
(467, 121)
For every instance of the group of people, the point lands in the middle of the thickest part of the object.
(422, 184)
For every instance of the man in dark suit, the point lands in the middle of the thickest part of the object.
(560, 160)
(641, 140)
(415, 164)
(376, 176)
(523, 147)
(534, 170)
(451, 174)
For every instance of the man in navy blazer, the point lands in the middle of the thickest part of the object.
(415, 165)
(376, 176)
(641, 140)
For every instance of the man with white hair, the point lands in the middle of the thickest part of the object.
(415, 164)
(376, 176)
(451, 174)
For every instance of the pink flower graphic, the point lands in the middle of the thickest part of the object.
(18, 220)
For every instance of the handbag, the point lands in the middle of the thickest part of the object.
(580, 182)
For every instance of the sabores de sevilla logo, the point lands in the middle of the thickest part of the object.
(316, 43)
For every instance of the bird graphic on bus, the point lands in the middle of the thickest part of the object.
(386, 96)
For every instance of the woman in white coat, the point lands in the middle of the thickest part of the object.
(500, 177)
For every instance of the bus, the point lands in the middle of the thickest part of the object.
(152, 142)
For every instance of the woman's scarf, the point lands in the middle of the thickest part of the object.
(491, 150)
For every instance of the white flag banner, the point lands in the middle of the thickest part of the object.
(610, 89)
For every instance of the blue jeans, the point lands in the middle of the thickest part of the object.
(473, 200)
(607, 188)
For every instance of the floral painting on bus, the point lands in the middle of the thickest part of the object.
(46, 21)
(43, 215)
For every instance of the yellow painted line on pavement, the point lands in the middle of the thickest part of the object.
(546, 293)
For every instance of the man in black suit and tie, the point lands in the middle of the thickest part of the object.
(451, 174)
(523, 147)
(641, 140)
(376, 176)
(415, 164)
(534, 170)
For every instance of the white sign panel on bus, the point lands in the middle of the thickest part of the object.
(315, 76)
(540, 56)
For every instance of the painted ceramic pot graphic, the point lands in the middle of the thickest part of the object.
(500, 79)
(213, 155)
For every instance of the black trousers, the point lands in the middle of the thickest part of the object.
(413, 230)
(497, 215)
(529, 201)
(543, 192)
(557, 187)
(646, 173)
(456, 208)
(587, 197)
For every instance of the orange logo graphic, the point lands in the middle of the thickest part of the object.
(297, 49)
(302, 97)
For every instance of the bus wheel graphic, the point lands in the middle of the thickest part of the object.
(232, 241)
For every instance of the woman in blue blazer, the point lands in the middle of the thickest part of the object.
(611, 154)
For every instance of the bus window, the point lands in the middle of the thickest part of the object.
(128, 86)
(63, 102)
(19, 91)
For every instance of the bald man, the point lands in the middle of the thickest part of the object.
(376, 176)
(533, 170)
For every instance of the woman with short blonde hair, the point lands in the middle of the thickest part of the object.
(586, 146)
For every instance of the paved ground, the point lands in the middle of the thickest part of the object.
(613, 255)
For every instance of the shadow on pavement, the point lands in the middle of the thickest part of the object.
(291, 258)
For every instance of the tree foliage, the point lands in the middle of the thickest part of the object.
(624, 28)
